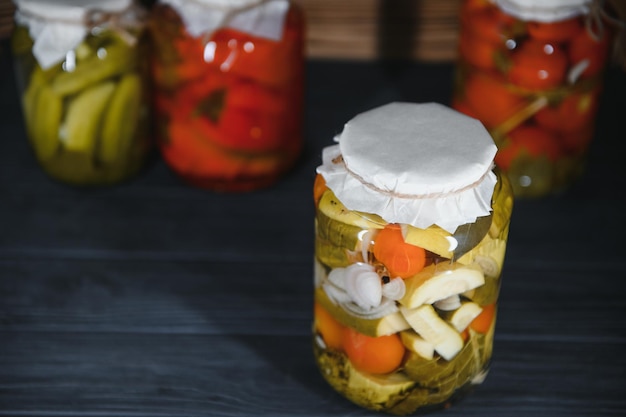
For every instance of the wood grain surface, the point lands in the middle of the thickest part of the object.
(154, 299)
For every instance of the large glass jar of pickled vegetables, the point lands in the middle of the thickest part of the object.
(531, 71)
(411, 228)
(228, 79)
(83, 79)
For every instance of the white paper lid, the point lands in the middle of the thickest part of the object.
(413, 163)
(58, 26)
(261, 18)
(544, 10)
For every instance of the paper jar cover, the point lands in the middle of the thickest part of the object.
(414, 163)
(261, 18)
(545, 11)
(57, 26)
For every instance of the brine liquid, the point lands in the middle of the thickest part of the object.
(403, 320)
(229, 104)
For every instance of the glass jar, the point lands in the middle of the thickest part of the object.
(407, 267)
(229, 80)
(82, 77)
(531, 71)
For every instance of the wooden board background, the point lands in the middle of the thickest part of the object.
(361, 29)
(421, 30)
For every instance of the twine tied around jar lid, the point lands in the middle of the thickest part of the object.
(119, 22)
(595, 26)
(418, 164)
(54, 33)
(262, 18)
(339, 160)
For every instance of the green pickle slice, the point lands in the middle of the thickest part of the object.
(114, 60)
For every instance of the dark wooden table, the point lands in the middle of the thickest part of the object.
(159, 300)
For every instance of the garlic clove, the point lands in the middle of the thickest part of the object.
(337, 277)
(394, 289)
(364, 288)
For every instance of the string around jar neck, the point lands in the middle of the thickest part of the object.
(340, 161)
(595, 26)
(116, 21)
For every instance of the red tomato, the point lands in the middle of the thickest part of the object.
(331, 330)
(489, 24)
(478, 52)
(247, 95)
(461, 106)
(490, 100)
(473, 5)
(269, 62)
(530, 140)
(401, 259)
(191, 150)
(251, 131)
(555, 31)
(584, 47)
(537, 65)
(202, 97)
(376, 355)
(574, 112)
(483, 321)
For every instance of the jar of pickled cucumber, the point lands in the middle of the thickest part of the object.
(532, 72)
(411, 225)
(229, 78)
(83, 79)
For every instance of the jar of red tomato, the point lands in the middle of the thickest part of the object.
(228, 78)
(531, 71)
(411, 228)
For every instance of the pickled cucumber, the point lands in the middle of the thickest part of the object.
(434, 239)
(433, 373)
(437, 380)
(331, 255)
(117, 59)
(377, 392)
(29, 99)
(342, 235)
(445, 244)
(121, 119)
(333, 208)
(439, 281)
(84, 117)
(502, 207)
(46, 122)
